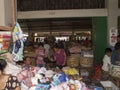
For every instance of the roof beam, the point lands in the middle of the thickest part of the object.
(62, 13)
(56, 30)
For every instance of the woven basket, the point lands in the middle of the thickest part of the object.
(86, 61)
(73, 60)
(115, 71)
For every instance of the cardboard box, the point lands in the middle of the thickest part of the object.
(108, 85)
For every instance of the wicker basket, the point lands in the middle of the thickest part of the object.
(73, 60)
(86, 61)
(115, 71)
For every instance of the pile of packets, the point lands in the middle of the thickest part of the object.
(37, 78)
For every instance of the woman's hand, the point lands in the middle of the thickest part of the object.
(18, 88)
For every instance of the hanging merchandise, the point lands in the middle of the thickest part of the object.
(113, 32)
(10, 48)
(18, 46)
(98, 73)
(4, 41)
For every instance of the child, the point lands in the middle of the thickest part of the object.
(27, 62)
(106, 63)
(40, 55)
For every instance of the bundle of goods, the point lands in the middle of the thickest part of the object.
(70, 71)
(118, 63)
(98, 73)
(84, 73)
(29, 51)
(95, 87)
(12, 68)
(86, 59)
(41, 79)
(71, 85)
(73, 60)
(75, 49)
(115, 71)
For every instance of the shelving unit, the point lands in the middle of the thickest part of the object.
(9, 28)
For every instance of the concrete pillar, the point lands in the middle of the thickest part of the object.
(112, 6)
(5, 12)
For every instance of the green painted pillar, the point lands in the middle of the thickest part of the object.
(99, 36)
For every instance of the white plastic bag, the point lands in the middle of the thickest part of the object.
(12, 69)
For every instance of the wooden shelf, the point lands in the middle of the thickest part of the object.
(5, 28)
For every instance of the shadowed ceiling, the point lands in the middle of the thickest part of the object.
(66, 24)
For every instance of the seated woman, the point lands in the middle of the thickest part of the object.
(7, 82)
(59, 56)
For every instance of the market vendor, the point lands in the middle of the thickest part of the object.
(115, 58)
(59, 56)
